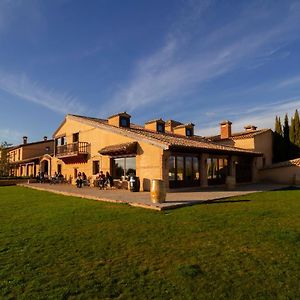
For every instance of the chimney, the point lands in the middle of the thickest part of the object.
(171, 124)
(250, 128)
(157, 125)
(225, 129)
(25, 140)
(119, 120)
(45, 138)
(184, 129)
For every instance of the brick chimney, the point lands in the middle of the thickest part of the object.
(250, 128)
(45, 138)
(120, 120)
(225, 129)
(25, 140)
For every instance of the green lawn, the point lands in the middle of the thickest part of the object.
(57, 247)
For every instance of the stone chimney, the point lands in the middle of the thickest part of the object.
(45, 138)
(225, 129)
(119, 120)
(250, 128)
(184, 129)
(171, 124)
(157, 125)
(25, 140)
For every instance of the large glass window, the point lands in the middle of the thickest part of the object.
(217, 170)
(123, 167)
(196, 175)
(188, 168)
(179, 167)
(172, 168)
(183, 170)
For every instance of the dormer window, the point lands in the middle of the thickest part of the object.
(124, 122)
(188, 132)
(160, 128)
(120, 120)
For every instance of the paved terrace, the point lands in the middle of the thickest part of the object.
(178, 198)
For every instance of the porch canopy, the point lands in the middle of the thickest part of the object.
(120, 149)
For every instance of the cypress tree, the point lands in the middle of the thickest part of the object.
(286, 138)
(278, 141)
(297, 128)
(292, 131)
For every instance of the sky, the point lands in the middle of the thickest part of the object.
(192, 61)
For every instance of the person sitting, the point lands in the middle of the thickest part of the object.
(101, 180)
(109, 180)
(84, 179)
(79, 180)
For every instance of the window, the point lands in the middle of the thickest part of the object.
(124, 122)
(217, 170)
(19, 154)
(188, 132)
(62, 140)
(172, 168)
(76, 137)
(183, 170)
(96, 167)
(123, 167)
(188, 168)
(59, 169)
(179, 167)
(160, 128)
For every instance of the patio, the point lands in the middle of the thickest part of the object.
(175, 199)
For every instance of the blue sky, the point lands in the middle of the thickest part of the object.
(193, 61)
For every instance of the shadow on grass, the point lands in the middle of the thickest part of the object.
(225, 201)
(215, 201)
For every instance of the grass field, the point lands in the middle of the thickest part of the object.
(57, 247)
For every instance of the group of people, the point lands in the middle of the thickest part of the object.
(81, 179)
(104, 181)
(42, 177)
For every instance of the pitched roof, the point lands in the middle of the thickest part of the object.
(288, 163)
(239, 135)
(120, 149)
(29, 144)
(165, 140)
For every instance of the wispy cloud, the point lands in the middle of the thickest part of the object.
(10, 136)
(262, 116)
(26, 89)
(175, 69)
(289, 81)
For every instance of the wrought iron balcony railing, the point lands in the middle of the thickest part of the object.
(72, 149)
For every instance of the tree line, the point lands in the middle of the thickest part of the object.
(286, 143)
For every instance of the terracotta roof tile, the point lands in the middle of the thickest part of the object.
(170, 139)
(287, 163)
(238, 135)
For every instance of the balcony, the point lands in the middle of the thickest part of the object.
(78, 149)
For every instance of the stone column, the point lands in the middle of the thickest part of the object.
(232, 166)
(203, 170)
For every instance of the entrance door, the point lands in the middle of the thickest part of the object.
(244, 170)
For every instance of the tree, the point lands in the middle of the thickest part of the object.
(297, 128)
(4, 159)
(292, 131)
(278, 143)
(286, 138)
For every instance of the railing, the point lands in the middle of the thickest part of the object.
(72, 149)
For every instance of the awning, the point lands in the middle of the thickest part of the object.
(120, 149)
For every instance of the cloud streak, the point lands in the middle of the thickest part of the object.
(25, 88)
(170, 73)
